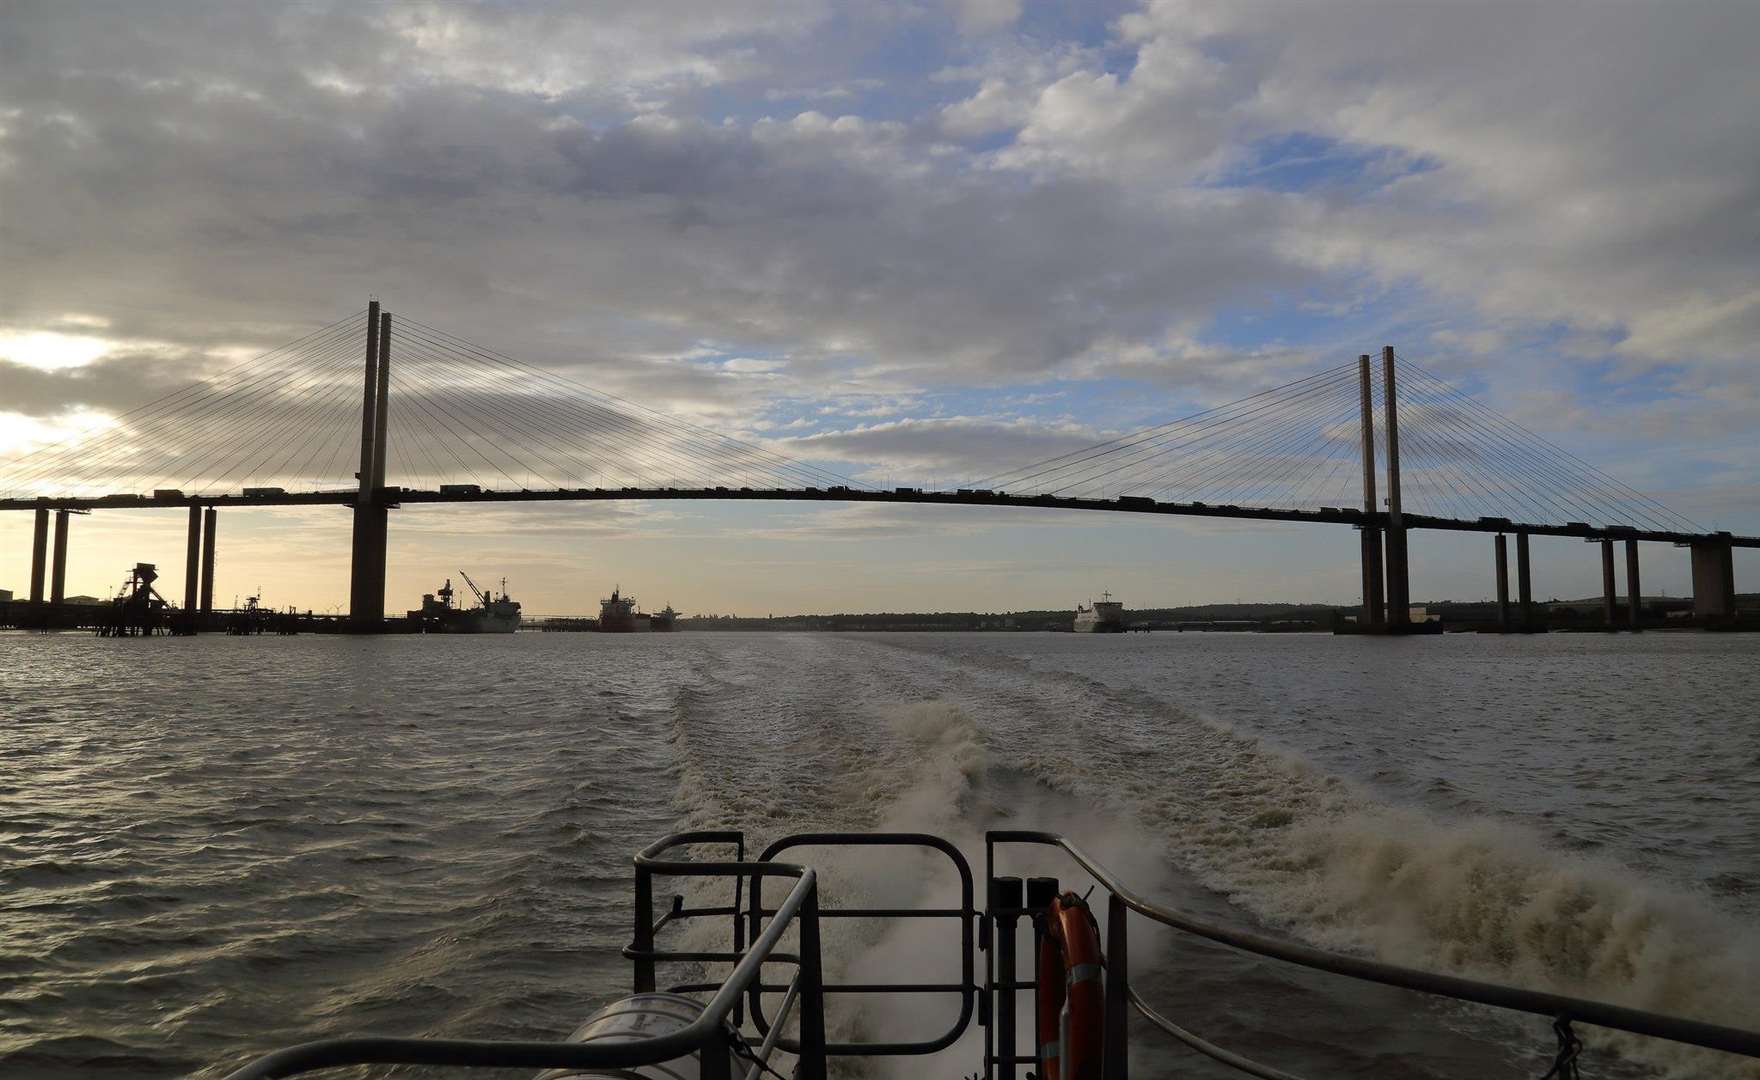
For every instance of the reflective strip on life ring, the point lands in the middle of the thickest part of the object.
(1069, 969)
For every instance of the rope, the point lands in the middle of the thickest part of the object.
(1564, 1064)
(743, 1050)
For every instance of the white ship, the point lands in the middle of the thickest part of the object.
(1103, 617)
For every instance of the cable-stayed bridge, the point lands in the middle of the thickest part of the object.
(367, 415)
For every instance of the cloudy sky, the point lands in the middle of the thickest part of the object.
(915, 242)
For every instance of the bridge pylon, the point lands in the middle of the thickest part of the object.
(1399, 593)
(366, 587)
(1374, 605)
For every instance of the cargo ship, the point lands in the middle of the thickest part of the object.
(618, 615)
(492, 615)
(1104, 617)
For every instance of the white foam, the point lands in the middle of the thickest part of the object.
(1305, 852)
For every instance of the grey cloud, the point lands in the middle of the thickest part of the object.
(115, 382)
(201, 193)
(1587, 160)
(964, 447)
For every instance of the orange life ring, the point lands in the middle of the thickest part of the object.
(1070, 973)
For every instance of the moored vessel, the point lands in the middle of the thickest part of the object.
(1105, 616)
(618, 615)
(492, 615)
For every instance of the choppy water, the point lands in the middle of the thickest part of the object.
(212, 847)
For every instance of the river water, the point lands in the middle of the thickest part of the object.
(212, 847)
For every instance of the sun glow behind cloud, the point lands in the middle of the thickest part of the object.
(20, 434)
(47, 350)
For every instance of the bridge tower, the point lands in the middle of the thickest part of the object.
(1399, 596)
(1374, 607)
(366, 587)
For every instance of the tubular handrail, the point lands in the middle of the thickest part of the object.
(1540, 1003)
(967, 914)
(1205, 1046)
(707, 1029)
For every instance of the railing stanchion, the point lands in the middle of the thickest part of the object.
(644, 935)
(739, 927)
(715, 1057)
(1005, 906)
(812, 1029)
(1115, 1055)
(1040, 892)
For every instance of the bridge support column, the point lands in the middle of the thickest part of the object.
(1374, 601)
(1634, 591)
(39, 551)
(1502, 547)
(192, 561)
(1714, 579)
(1609, 592)
(1524, 583)
(366, 607)
(58, 569)
(210, 518)
(1399, 595)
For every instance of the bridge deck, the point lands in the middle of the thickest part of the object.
(1124, 504)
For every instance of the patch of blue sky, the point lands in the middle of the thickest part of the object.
(1300, 161)
(992, 141)
(1081, 23)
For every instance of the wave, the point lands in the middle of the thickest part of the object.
(1326, 861)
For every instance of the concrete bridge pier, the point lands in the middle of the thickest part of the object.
(1609, 590)
(192, 562)
(39, 550)
(1502, 549)
(1524, 584)
(1714, 579)
(1374, 603)
(210, 517)
(58, 569)
(1634, 590)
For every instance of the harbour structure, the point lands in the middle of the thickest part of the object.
(1103, 616)
(492, 615)
(1208, 464)
(137, 609)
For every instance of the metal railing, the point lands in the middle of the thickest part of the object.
(716, 1034)
(966, 915)
(1006, 907)
(713, 1033)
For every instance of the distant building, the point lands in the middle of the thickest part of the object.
(5, 596)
